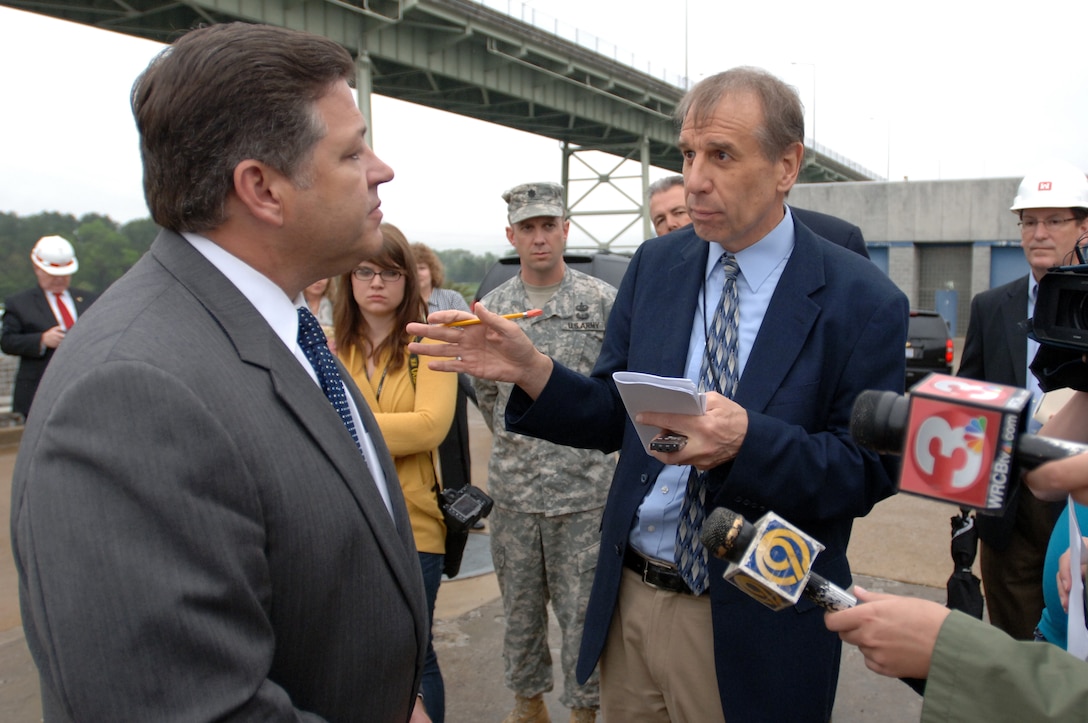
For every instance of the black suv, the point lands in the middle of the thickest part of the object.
(605, 265)
(929, 347)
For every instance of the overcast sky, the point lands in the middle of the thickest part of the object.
(925, 90)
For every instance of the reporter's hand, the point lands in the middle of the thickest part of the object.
(496, 349)
(713, 438)
(1054, 480)
(895, 634)
(1065, 576)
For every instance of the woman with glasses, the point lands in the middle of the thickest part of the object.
(413, 404)
(455, 452)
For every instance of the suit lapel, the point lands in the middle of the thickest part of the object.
(681, 288)
(786, 324)
(81, 299)
(43, 311)
(1013, 311)
(258, 345)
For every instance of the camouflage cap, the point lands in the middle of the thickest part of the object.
(530, 200)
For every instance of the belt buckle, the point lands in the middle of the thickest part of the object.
(657, 570)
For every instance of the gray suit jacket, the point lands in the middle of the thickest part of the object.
(196, 535)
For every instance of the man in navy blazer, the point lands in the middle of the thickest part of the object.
(818, 325)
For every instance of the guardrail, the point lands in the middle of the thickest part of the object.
(8, 365)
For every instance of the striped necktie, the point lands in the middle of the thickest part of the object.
(719, 373)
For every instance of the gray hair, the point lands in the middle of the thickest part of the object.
(663, 184)
(783, 114)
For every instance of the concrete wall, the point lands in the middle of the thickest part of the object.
(907, 214)
(925, 211)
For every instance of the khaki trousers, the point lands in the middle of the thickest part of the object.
(658, 663)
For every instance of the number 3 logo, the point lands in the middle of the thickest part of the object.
(943, 454)
(974, 392)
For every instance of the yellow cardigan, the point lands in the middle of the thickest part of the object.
(414, 419)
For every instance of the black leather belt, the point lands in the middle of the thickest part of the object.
(655, 573)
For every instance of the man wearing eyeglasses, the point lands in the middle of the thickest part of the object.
(548, 498)
(1052, 206)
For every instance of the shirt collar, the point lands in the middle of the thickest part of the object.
(761, 258)
(268, 298)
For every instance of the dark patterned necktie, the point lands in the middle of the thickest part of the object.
(314, 345)
(719, 373)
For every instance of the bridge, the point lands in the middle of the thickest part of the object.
(467, 58)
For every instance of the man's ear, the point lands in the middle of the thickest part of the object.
(260, 189)
(510, 234)
(790, 164)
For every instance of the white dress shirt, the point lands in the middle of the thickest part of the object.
(280, 313)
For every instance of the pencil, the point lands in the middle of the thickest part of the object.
(520, 315)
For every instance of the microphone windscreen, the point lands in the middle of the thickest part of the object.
(878, 420)
(721, 530)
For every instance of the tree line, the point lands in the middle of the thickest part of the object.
(107, 249)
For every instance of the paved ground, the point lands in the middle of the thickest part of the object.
(901, 547)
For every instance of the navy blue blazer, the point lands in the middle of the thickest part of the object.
(835, 326)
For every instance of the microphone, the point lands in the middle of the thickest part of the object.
(961, 440)
(752, 549)
(771, 560)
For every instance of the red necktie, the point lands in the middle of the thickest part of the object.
(65, 315)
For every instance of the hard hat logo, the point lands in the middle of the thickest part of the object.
(1044, 185)
(55, 256)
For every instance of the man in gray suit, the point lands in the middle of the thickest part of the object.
(197, 534)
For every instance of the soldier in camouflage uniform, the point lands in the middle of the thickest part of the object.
(545, 527)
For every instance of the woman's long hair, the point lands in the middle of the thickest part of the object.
(348, 319)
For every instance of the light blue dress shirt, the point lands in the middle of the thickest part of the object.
(761, 266)
(1033, 348)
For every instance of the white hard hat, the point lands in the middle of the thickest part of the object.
(1053, 185)
(55, 256)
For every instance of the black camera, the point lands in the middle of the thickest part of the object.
(1061, 309)
(464, 506)
(1060, 325)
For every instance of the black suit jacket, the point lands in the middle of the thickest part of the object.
(832, 228)
(27, 314)
(995, 350)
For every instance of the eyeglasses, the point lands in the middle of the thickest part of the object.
(1052, 224)
(365, 273)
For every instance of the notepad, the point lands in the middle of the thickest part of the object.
(650, 393)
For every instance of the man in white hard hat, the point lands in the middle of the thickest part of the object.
(36, 319)
(1052, 206)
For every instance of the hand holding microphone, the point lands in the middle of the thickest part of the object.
(771, 562)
